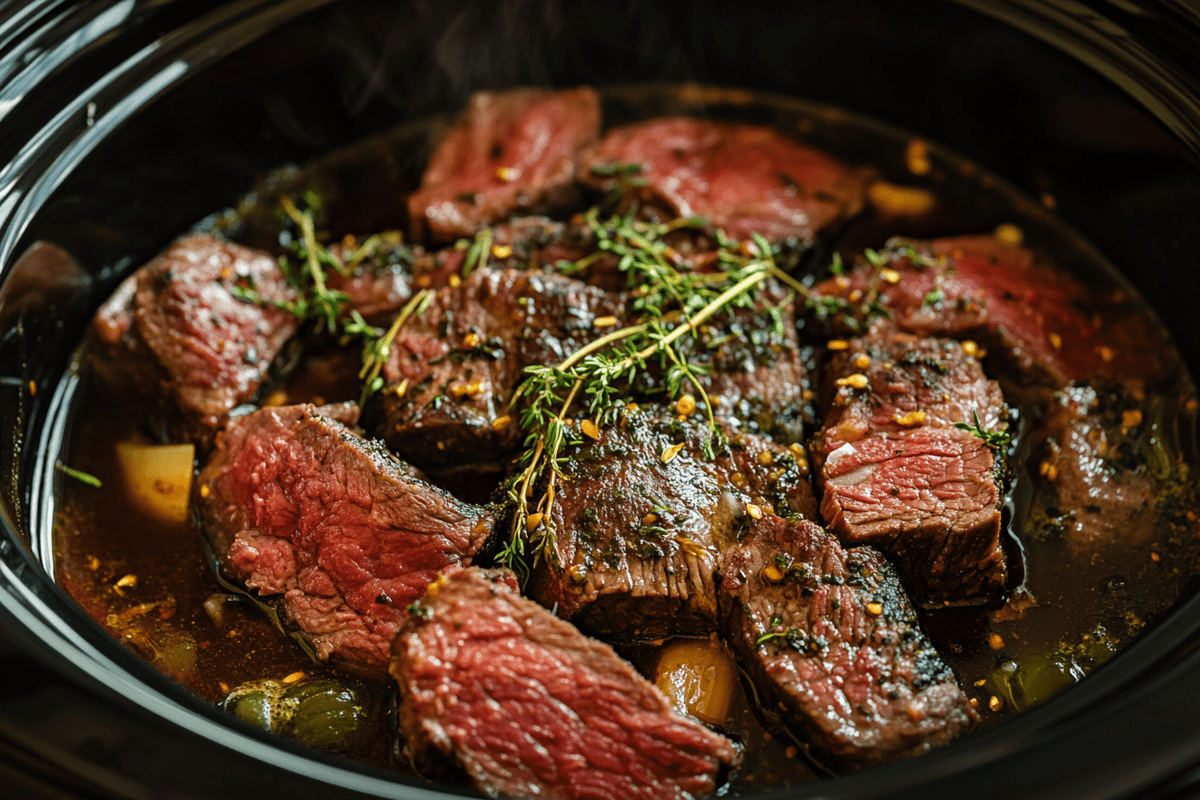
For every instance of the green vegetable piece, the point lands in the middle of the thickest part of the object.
(327, 716)
(255, 707)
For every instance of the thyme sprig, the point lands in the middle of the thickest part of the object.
(78, 474)
(670, 304)
(997, 440)
(316, 301)
(377, 344)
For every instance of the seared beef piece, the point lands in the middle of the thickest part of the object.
(911, 382)
(459, 364)
(1099, 492)
(743, 178)
(379, 275)
(755, 369)
(451, 374)
(380, 285)
(896, 473)
(641, 517)
(827, 635)
(298, 505)
(497, 686)
(508, 152)
(929, 500)
(1039, 321)
(175, 330)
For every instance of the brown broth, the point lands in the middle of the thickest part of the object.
(1087, 606)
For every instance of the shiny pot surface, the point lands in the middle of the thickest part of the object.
(122, 123)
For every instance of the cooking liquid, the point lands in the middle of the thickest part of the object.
(1085, 606)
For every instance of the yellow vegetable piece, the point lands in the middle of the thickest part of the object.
(698, 678)
(159, 477)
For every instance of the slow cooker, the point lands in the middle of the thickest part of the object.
(124, 122)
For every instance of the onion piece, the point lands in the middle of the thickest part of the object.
(698, 677)
(158, 477)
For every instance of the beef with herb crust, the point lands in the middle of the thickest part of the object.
(382, 272)
(742, 178)
(299, 506)
(897, 469)
(642, 515)
(179, 331)
(512, 151)
(827, 636)
(451, 373)
(494, 685)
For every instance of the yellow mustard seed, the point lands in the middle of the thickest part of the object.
(911, 419)
(1009, 233)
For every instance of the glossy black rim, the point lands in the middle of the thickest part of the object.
(1151, 690)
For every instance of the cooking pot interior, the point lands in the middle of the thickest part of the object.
(136, 121)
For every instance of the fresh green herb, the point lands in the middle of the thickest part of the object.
(79, 475)
(478, 252)
(377, 345)
(837, 266)
(792, 637)
(670, 305)
(997, 440)
(627, 176)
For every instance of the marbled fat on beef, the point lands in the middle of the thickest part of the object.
(177, 330)
(497, 686)
(743, 178)
(300, 506)
(642, 516)
(828, 636)
(508, 152)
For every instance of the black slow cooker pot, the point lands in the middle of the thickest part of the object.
(123, 122)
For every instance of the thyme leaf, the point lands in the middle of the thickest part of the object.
(78, 474)
(997, 440)
(670, 304)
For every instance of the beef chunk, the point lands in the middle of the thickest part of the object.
(929, 500)
(752, 368)
(827, 635)
(1040, 323)
(744, 178)
(176, 330)
(1098, 490)
(908, 382)
(452, 373)
(383, 272)
(379, 274)
(896, 473)
(512, 151)
(298, 505)
(529, 707)
(642, 515)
